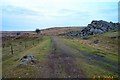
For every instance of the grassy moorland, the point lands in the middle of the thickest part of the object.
(97, 58)
(39, 50)
(61, 57)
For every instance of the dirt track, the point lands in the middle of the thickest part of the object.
(61, 63)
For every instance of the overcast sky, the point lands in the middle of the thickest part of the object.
(31, 14)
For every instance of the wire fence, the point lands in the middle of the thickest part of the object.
(14, 47)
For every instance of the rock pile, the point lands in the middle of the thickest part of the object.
(27, 59)
(95, 27)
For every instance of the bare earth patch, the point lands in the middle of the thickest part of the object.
(61, 62)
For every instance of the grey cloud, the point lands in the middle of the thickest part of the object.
(67, 11)
(19, 11)
(72, 13)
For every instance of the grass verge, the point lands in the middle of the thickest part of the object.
(40, 51)
(92, 66)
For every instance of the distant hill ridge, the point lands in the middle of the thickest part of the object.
(96, 27)
(60, 30)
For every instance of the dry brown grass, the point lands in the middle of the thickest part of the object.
(58, 31)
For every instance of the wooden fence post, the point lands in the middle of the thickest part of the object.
(25, 44)
(33, 41)
(11, 47)
(20, 47)
(3, 45)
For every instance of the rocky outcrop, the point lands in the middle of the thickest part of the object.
(27, 59)
(97, 27)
